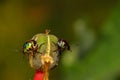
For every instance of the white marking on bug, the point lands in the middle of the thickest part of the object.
(61, 44)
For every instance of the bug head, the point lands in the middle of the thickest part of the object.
(29, 47)
(63, 45)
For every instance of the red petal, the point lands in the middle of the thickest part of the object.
(38, 75)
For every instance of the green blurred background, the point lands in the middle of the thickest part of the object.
(92, 27)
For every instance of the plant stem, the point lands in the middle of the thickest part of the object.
(46, 71)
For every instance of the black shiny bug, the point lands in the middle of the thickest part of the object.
(63, 45)
(30, 47)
